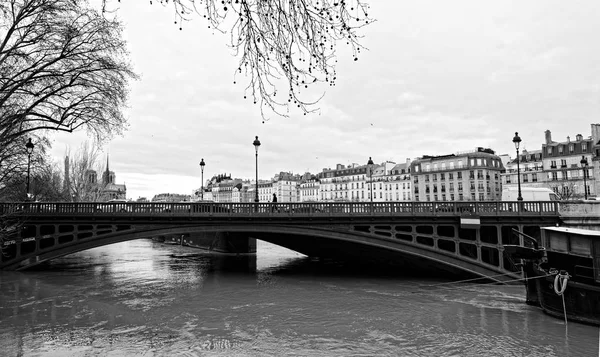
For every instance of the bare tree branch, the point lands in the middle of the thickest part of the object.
(293, 42)
(57, 56)
(63, 67)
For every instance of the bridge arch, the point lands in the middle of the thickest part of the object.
(316, 241)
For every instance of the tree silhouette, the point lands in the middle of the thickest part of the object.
(63, 66)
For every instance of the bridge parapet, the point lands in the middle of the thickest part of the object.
(485, 208)
(581, 214)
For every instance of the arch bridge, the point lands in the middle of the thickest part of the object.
(458, 237)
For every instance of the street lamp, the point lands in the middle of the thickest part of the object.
(584, 164)
(256, 144)
(29, 146)
(202, 178)
(370, 168)
(517, 141)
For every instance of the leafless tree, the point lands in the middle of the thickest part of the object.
(293, 42)
(566, 190)
(63, 66)
(81, 187)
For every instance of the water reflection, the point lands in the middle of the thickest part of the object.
(147, 298)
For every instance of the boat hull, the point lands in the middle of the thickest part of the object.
(581, 301)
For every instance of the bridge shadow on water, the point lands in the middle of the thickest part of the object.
(303, 267)
(179, 260)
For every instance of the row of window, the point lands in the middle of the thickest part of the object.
(459, 197)
(459, 164)
(561, 148)
(356, 196)
(382, 186)
(481, 174)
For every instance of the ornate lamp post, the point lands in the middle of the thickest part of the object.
(517, 141)
(29, 146)
(370, 168)
(584, 164)
(256, 144)
(202, 178)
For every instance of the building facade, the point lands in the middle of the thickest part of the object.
(557, 165)
(465, 176)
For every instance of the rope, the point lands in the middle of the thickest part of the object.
(560, 285)
(466, 280)
(507, 281)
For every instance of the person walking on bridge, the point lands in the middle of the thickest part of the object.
(274, 201)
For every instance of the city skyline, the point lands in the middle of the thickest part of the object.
(427, 86)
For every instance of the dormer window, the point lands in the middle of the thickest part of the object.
(584, 147)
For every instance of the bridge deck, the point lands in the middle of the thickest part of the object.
(489, 208)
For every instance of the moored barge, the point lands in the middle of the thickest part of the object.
(562, 272)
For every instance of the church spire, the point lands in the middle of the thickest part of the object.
(107, 174)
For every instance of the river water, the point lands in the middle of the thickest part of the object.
(144, 298)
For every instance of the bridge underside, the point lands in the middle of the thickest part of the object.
(407, 243)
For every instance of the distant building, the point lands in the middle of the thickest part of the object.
(562, 163)
(465, 176)
(557, 165)
(309, 188)
(170, 197)
(105, 190)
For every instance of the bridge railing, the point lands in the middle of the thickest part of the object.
(282, 209)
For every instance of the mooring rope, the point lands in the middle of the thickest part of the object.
(493, 282)
(560, 285)
(466, 280)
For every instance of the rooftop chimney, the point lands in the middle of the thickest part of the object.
(548, 137)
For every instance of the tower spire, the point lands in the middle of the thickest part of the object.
(107, 171)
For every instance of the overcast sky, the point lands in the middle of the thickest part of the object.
(439, 77)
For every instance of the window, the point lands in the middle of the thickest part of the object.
(571, 148)
(549, 150)
(443, 166)
(472, 162)
(435, 167)
(533, 177)
(479, 162)
(451, 176)
(459, 175)
(584, 147)
(563, 163)
(560, 149)
(553, 164)
(460, 186)
(451, 165)
(442, 176)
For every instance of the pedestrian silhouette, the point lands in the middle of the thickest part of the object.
(274, 201)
